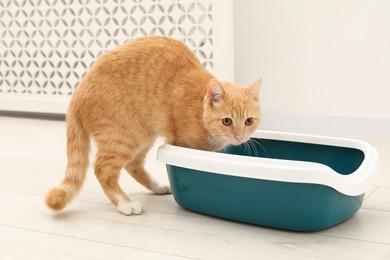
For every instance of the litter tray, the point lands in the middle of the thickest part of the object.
(281, 180)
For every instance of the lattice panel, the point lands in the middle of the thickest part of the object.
(46, 46)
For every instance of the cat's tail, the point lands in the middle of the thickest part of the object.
(78, 143)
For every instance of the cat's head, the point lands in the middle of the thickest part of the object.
(231, 113)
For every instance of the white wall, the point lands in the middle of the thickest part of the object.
(319, 57)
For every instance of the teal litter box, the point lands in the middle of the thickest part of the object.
(282, 180)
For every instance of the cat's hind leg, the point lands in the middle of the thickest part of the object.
(107, 170)
(137, 170)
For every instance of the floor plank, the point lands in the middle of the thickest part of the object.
(379, 199)
(16, 243)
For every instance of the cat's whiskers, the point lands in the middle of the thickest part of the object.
(252, 149)
(257, 142)
(251, 144)
(247, 148)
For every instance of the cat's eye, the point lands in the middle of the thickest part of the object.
(249, 121)
(227, 121)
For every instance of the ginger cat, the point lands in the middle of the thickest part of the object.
(149, 87)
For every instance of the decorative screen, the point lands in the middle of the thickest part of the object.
(46, 46)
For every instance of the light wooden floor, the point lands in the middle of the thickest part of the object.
(32, 160)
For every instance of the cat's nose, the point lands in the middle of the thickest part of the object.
(238, 137)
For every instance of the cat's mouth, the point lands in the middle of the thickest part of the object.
(234, 141)
(230, 140)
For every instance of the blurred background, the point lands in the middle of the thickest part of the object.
(320, 60)
(325, 64)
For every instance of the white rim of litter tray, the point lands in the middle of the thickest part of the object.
(352, 184)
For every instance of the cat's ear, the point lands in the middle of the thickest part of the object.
(215, 91)
(254, 90)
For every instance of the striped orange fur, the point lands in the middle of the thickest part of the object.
(150, 87)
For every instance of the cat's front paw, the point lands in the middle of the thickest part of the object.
(159, 188)
(130, 207)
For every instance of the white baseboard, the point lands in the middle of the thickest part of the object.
(342, 125)
(51, 105)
